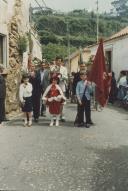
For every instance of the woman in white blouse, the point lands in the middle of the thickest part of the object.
(25, 96)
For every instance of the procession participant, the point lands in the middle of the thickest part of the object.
(83, 93)
(63, 77)
(113, 90)
(54, 97)
(40, 82)
(25, 96)
(76, 79)
(44, 84)
(35, 92)
(2, 95)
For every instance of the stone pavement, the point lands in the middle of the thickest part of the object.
(66, 158)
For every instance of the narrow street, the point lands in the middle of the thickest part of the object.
(66, 158)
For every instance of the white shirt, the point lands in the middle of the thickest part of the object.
(63, 78)
(122, 82)
(25, 91)
(42, 75)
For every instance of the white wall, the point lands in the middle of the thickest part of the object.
(24, 25)
(120, 56)
(37, 49)
(10, 10)
(4, 30)
(25, 16)
(119, 48)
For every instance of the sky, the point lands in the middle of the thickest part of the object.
(68, 5)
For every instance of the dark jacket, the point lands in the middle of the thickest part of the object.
(2, 87)
(75, 81)
(46, 80)
(38, 86)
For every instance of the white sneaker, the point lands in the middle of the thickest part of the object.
(30, 123)
(51, 123)
(25, 123)
(57, 123)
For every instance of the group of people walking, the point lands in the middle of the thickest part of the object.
(41, 88)
(47, 87)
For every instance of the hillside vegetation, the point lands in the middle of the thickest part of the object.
(77, 28)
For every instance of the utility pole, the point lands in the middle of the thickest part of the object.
(97, 20)
(69, 52)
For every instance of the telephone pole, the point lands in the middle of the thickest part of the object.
(97, 21)
(69, 52)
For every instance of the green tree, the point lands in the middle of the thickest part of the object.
(121, 7)
(50, 51)
(54, 35)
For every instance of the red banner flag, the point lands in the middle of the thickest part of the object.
(100, 77)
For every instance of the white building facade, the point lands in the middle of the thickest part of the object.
(116, 52)
(3, 33)
(15, 23)
(24, 26)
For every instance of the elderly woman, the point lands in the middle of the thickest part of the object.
(2, 95)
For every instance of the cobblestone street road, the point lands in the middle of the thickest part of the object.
(66, 158)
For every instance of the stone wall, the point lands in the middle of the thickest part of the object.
(14, 74)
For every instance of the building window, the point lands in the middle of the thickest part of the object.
(1, 49)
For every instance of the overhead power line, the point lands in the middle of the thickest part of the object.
(44, 3)
(39, 5)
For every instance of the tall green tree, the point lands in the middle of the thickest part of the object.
(121, 7)
(51, 50)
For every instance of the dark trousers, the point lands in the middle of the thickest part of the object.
(2, 109)
(43, 109)
(84, 108)
(36, 106)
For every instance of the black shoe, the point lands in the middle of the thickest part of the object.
(91, 123)
(36, 120)
(62, 120)
(87, 125)
(43, 114)
(80, 125)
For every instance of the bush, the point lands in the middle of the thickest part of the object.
(22, 44)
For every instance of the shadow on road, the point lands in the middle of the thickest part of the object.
(42, 123)
(110, 171)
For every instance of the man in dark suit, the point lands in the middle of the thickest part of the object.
(2, 95)
(77, 78)
(40, 81)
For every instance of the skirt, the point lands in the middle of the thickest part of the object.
(27, 107)
(54, 107)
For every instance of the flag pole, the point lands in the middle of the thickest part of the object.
(97, 20)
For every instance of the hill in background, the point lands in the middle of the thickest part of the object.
(77, 28)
